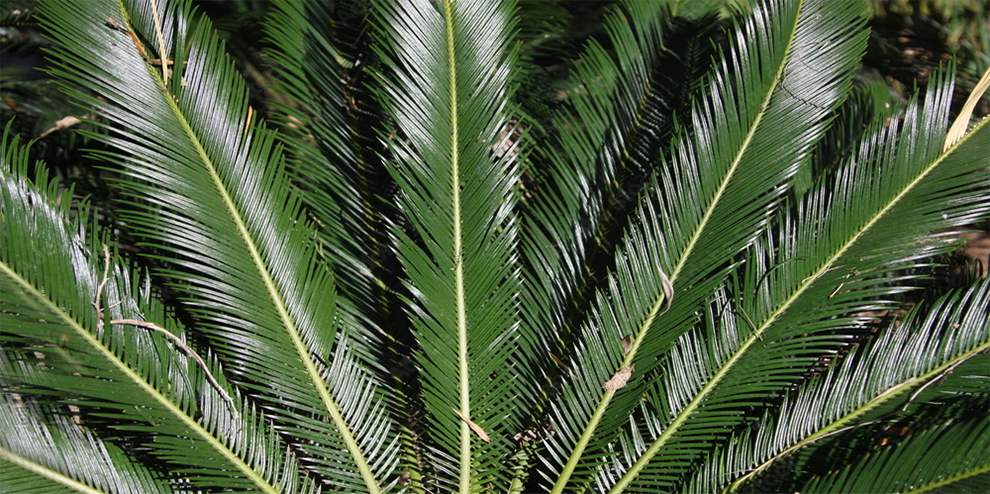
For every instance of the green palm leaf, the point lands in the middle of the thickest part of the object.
(44, 458)
(449, 71)
(832, 256)
(324, 59)
(889, 373)
(623, 111)
(57, 335)
(347, 186)
(751, 132)
(846, 260)
(62, 456)
(850, 124)
(471, 260)
(214, 193)
(951, 458)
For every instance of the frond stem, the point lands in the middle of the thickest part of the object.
(464, 377)
(48, 473)
(161, 40)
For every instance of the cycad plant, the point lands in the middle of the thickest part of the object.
(713, 264)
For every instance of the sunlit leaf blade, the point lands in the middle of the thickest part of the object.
(447, 87)
(50, 456)
(624, 106)
(620, 114)
(750, 133)
(961, 124)
(845, 248)
(211, 189)
(54, 323)
(890, 372)
(951, 458)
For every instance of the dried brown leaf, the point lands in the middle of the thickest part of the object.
(62, 124)
(626, 343)
(668, 288)
(475, 427)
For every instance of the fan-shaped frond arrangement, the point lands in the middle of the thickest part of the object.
(717, 216)
(706, 264)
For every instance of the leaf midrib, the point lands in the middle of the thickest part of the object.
(463, 368)
(46, 472)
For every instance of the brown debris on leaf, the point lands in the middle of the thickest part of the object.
(475, 427)
(619, 380)
(626, 344)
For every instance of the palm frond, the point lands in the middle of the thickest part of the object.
(45, 456)
(322, 56)
(608, 106)
(211, 189)
(750, 133)
(889, 372)
(624, 109)
(447, 87)
(951, 458)
(839, 258)
(60, 326)
(42, 455)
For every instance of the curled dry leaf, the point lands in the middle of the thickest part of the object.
(626, 344)
(668, 288)
(64, 123)
(475, 427)
(961, 124)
